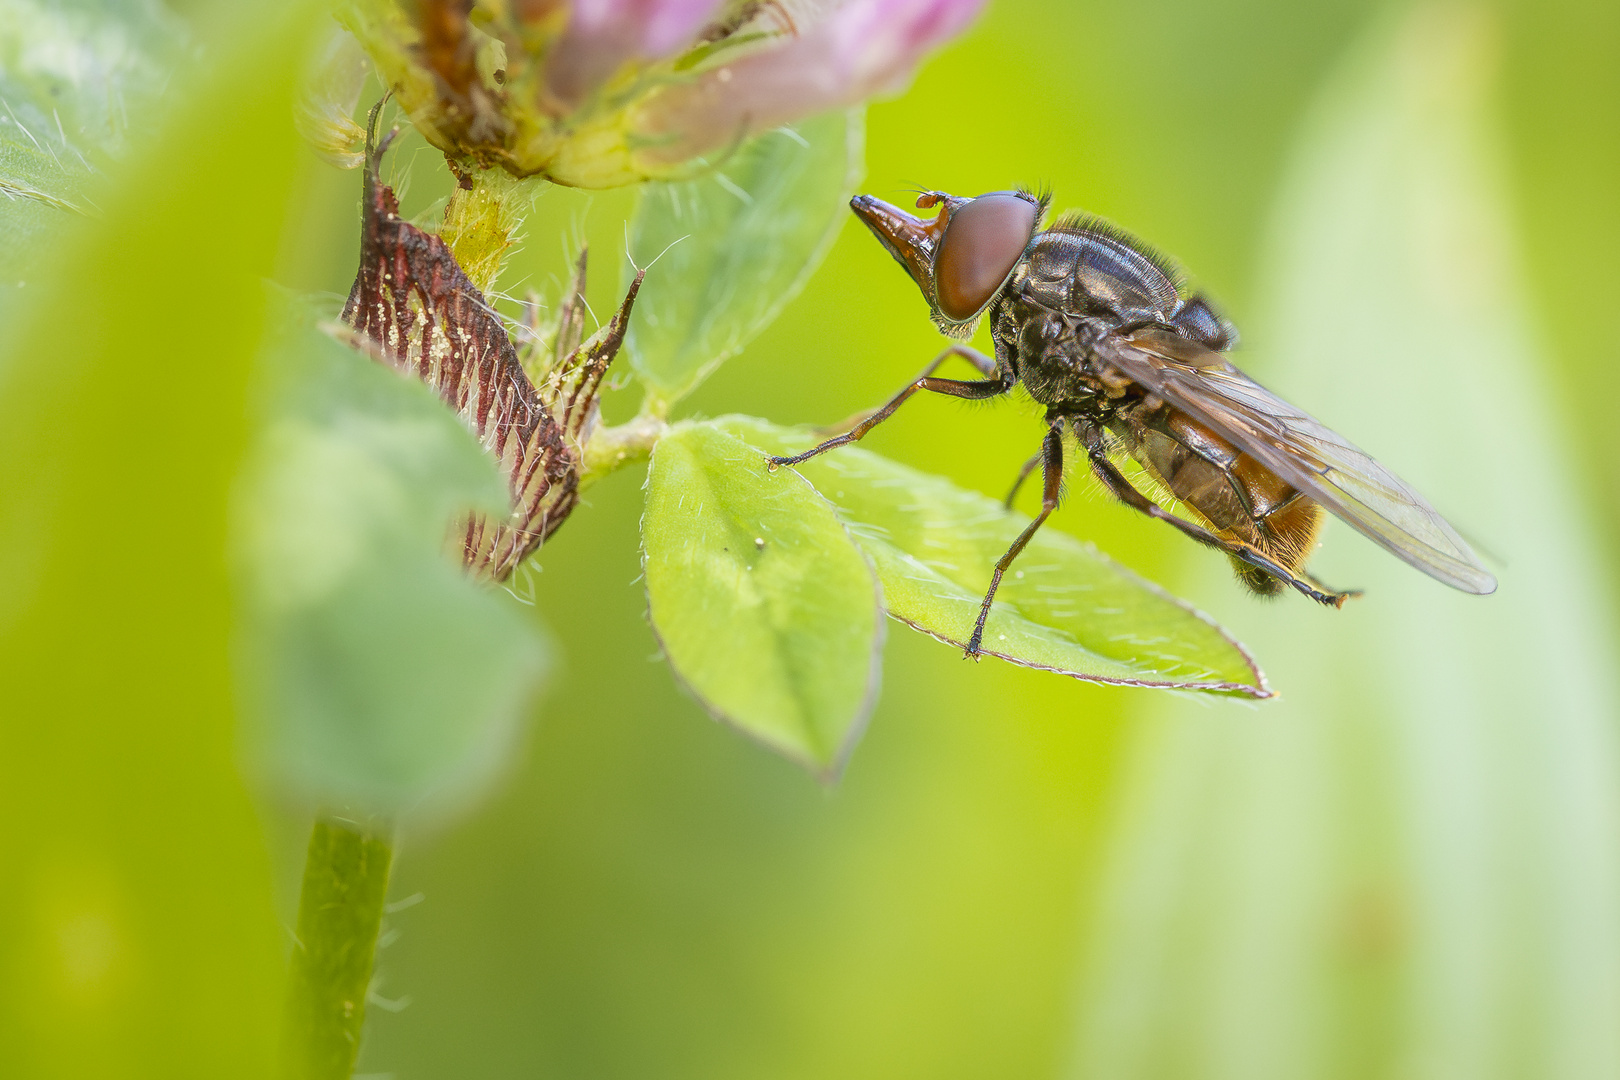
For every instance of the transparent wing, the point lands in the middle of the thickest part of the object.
(1300, 450)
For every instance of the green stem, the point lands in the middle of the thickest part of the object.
(612, 448)
(339, 914)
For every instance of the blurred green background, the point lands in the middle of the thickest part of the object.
(1408, 867)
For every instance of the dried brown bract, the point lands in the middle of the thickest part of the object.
(420, 313)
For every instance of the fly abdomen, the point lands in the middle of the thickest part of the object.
(1235, 494)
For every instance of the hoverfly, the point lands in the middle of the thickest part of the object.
(1095, 326)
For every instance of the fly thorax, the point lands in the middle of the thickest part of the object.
(1045, 273)
(1111, 279)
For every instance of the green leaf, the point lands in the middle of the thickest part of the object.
(382, 675)
(764, 604)
(142, 935)
(1063, 606)
(74, 78)
(735, 245)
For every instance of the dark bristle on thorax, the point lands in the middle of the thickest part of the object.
(1081, 223)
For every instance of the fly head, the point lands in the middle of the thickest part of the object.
(962, 257)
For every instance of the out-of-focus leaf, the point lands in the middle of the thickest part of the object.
(333, 79)
(379, 673)
(735, 245)
(1064, 606)
(1411, 866)
(75, 77)
(764, 604)
(141, 936)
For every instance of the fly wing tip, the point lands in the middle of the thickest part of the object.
(1474, 580)
(1459, 570)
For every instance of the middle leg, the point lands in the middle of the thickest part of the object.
(1052, 476)
(1023, 474)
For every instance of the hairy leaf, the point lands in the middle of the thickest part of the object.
(736, 244)
(75, 77)
(1063, 606)
(765, 605)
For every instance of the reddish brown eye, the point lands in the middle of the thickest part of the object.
(981, 245)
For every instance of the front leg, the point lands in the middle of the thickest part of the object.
(1052, 475)
(993, 386)
(983, 364)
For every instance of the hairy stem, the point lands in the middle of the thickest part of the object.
(481, 223)
(339, 913)
(612, 448)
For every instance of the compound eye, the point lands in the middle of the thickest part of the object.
(981, 245)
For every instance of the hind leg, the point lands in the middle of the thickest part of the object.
(1117, 484)
(1314, 580)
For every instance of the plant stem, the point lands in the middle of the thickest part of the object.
(612, 448)
(339, 913)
